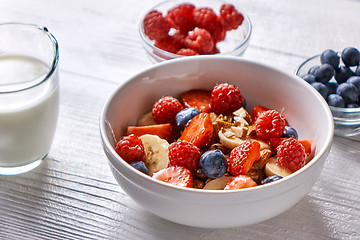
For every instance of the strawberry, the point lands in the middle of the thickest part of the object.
(257, 111)
(243, 156)
(162, 130)
(175, 175)
(199, 130)
(199, 99)
(307, 145)
(239, 182)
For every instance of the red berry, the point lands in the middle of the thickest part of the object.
(169, 44)
(240, 182)
(204, 18)
(291, 154)
(226, 98)
(243, 156)
(199, 99)
(199, 130)
(130, 148)
(181, 17)
(270, 124)
(185, 154)
(178, 176)
(230, 17)
(257, 111)
(186, 52)
(217, 31)
(165, 109)
(200, 40)
(163, 131)
(156, 27)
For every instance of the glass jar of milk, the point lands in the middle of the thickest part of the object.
(29, 96)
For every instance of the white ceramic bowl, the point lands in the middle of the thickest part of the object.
(303, 107)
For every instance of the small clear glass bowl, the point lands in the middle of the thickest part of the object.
(234, 44)
(346, 120)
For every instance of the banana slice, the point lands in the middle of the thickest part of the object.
(146, 119)
(218, 183)
(156, 152)
(230, 137)
(272, 168)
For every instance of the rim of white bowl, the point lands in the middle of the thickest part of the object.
(149, 42)
(318, 155)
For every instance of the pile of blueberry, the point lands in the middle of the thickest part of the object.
(337, 79)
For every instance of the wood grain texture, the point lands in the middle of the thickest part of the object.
(73, 195)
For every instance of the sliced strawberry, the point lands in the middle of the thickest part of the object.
(164, 131)
(175, 175)
(199, 99)
(199, 130)
(307, 145)
(239, 182)
(257, 111)
(243, 157)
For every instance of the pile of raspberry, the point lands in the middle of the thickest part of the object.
(187, 30)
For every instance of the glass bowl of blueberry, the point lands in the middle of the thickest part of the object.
(175, 28)
(336, 76)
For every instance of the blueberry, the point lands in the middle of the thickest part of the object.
(335, 101)
(330, 57)
(213, 164)
(355, 80)
(309, 78)
(342, 74)
(348, 92)
(350, 56)
(357, 71)
(184, 116)
(290, 132)
(313, 69)
(332, 86)
(324, 73)
(321, 88)
(352, 105)
(139, 165)
(271, 179)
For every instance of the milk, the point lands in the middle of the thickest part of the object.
(28, 117)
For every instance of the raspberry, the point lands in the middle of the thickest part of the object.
(181, 17)
(291, 154)
(217, 31)
(230, 17)
(204, 18)
(169, 44)
(130, 148)
(187, 52)
(270, 124)
(226, 98)
(185, 154)
(200, 40)
(165, 109)
(156, 27)
(240, 182)
(243, 156)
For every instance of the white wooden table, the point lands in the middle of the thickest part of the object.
(73, 194)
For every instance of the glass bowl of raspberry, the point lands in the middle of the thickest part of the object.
(191, 171)
(175, 28)
(336, 76)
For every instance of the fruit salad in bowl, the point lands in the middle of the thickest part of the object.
(203, 138)
(174, 29)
